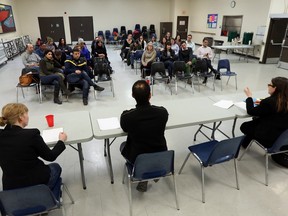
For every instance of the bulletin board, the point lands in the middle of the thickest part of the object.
(212, 20)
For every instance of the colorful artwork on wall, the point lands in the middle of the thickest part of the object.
(212, 20)
(7, 23)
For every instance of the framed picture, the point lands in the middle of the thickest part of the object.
(212, 20)
(7, 23)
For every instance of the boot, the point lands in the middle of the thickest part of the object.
(56, 95)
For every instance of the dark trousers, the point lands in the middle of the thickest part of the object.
(55, 180)
(53, 79)
(169, 66)
(83, 80)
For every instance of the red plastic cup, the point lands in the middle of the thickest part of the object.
(50, 120)
(148, 81)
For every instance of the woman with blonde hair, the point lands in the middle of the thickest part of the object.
(20, 149)
(148, 57)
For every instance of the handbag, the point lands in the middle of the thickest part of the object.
(26, 79)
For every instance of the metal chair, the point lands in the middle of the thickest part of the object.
(150, 166)
(215, 152)
(32, 85)
(276, 148)
(158, 73)
(179, 72)
(225, 64)
(33, 200)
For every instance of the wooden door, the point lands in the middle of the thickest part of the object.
(51, 27)
(81, 27)
(276, 33)
(182, 26)
(164, 28)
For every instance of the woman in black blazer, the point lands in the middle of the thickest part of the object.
(270, 117)
(20, 149)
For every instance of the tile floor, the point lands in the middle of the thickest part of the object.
(104, 199)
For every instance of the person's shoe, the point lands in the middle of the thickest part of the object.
(128, 63)
(85, 101)
(142, 186)
(98, 88)
(204, 81)
(217, 77)
(189, 81)
(57, 101)
(132, 66)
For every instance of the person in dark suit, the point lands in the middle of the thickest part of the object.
(20, 149)
(270, 117)
(145, 126)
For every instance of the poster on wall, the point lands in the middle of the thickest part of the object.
(212, 20)
(7, 23)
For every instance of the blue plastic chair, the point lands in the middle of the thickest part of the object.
(215, 152)
(150, 166)
(281, 141)
(100, 33)
(36, 199)
(107, 36)
(224, 64)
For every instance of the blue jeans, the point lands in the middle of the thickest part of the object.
(81, 79)
(135, 56)
(55, 180)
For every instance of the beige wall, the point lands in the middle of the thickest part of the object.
(107, 14)
(16, 20)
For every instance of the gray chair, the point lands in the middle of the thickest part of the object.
(215, 152)
(150, 166)
(32, 85)
(276, 148)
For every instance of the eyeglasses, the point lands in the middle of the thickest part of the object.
(271, 85)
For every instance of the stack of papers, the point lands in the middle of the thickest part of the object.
(241, 105)
(108, 123)
(51, 135)
(226, 104)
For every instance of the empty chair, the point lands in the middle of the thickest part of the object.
(276, 148)
(215, 152)
(36, 199)
(224, 70)
(200, 69)
(158, 73)
(179, 72)
(145, 32)
(100, 33)
(107, 35)
(137, 27)
(150, 166)
(32, 85)
(123, 30)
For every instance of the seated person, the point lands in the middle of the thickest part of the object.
(75, 71)
(64, 47)
(50, 45)
(40, 51)
(270, 117)
(59, 58)
(168, 37)
(161, 44)
(190, 43)
(145, 126)
(142, 42)
(168, 57)
(20, 150)
(155, 43)
(132, 55)
(186, 55)
(175, 47)
(31, 61)
(205, 54)
(148, 57)
(126, 47)
(50, 74)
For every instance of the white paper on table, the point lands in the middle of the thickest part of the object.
(226, 104)
(51, 135)
(108, 123)
(241, 105)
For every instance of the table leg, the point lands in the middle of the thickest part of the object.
(81, 158)
(107, 144)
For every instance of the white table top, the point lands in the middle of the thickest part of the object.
(238, 97)
(239, 46)
(76, 124)
(182, 113)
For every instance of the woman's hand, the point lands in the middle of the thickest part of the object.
(248, 92)
(62, 136)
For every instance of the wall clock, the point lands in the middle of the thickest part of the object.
(233, 4)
